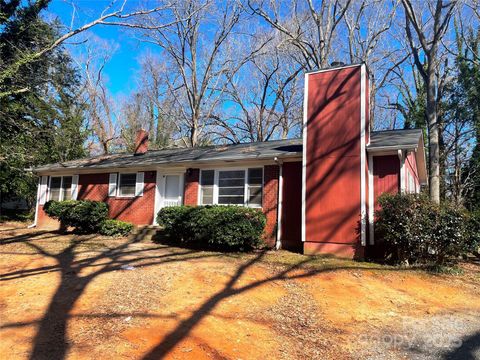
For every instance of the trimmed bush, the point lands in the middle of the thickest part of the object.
(112, 227)
(84, 215)
(175, 222)
(225, 228)
(415, 230)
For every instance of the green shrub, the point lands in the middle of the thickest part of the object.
(473, 230)
(175, 222)
(115, 228)
(226, 228)
(84, 215)
(415, 230)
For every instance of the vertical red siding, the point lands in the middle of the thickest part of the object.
(332, 207)
(270, 201)
(411, 166)
(386, 176)
(292, 206)
(192, 178)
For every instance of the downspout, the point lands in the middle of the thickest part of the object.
(278, 243)
(36, 204)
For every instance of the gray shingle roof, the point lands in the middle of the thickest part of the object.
(401, 139)
(247, 151)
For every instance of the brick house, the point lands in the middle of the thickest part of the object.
(318, 192)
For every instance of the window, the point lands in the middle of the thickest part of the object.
(127, 184)
(60, 188)
(55, 188)
(232, 187)
(67, 188)
(255, 182)
(206, 187)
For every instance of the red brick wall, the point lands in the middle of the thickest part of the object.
(270, 197)
(137, 210)
(46, 222)
(140, 210)
(192, 177)
(270, 200)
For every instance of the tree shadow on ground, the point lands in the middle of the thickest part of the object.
(468, 350)
(51, 341)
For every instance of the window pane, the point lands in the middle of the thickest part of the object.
(55, 183)
(255, 176)
(206, 195)
(255, 179)
(127, 184)
(171, 186)
(231, 191)
(207, 177)
(231, 187)
(255, 195)
(67, 188)
(226, 200)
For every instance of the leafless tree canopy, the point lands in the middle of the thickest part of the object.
(231, 71)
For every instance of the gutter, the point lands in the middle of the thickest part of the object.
(391, 147)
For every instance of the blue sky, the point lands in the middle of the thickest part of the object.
(122, 66)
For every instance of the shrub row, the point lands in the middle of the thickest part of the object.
(415, 230)
(226, 228)
(86, 217)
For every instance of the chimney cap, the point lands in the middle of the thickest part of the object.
(337, 63)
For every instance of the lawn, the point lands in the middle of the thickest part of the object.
(87, 297)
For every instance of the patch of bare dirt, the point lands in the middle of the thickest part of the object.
(77, 297)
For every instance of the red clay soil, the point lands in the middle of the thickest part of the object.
(86, 297)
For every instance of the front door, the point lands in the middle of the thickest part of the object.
(169, 190)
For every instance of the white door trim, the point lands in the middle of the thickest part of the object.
(160, 189)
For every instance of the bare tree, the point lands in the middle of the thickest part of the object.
(100, 105)
(424, 36)
(311, 30)
(267, 101)
(367, 24)
(200, 55)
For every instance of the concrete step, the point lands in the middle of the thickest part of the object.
(144, 233)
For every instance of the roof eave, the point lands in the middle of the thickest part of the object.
(184, 163)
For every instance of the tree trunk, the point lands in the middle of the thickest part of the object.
(433, 138)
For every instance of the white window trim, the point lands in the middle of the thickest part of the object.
(62, 195)
(245, 186)
(118, 194)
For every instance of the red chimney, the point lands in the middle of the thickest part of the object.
(335, 163)
(141, 142)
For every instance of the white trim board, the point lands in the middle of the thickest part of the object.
(278, 243)
(371, 201)
(363, 153)
(304, 156)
